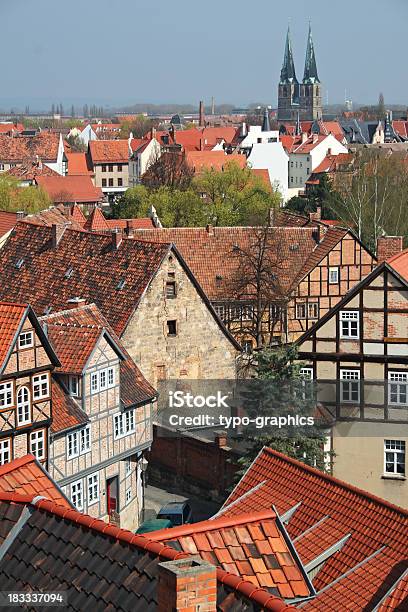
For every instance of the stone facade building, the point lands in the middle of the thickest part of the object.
(145, 290)
(299, 101)
(358, 354)
(26, 362)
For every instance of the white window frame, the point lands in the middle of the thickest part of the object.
(73, 385)
(6, 395)
(78, 442)
(348, 317)
(72, 443)
(38, 381)
(347, 378)
(24, 406)
(306, 372)
(77, 494)
(111, 377)
(22, 344)
(334, 276)
(124, 423)
(94, 382)
(103, 380)
(398, 388)
(92, 486)
(396, 448)
(37, 439)
(308, 308)
(5, 451)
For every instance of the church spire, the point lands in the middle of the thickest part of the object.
(310, 75)
(288, 74)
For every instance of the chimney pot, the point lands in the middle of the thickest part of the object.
(220, 438)
(183, 582)
(387, 246)
(116, 238)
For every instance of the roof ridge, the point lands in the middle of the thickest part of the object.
(333, 479)
(211, 524)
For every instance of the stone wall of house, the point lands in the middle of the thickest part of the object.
(198, 350)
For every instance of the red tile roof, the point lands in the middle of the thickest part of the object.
(70, 188)
(122, 224)
(73, 344)
(311, 143)
(11, 316)
(7, 221)
(263, 174)
(113, 278)
(251, 546)
(210, 254)
(109, 151)
(66, 413)
(96, 541)
(58, 215)
(400, 263)
(25, 476)
(397, 598)
(76, 214)
(29, 170)
(96, 221)
(213, 159)
(332, 162)
(21, 148)
(134, 388)
(78, 164)
(378, 530)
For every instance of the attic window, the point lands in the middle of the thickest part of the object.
(69, 272)
(48, 309)
(218, 277)
(121, 284)
(294, 247)
(235, 247)
(20, 263)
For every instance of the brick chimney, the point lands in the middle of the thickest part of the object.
(116, 239)
(387, 246)
(201, 121)
(57, 231)
(129, 228)
(75, 302)
(187, 585)
(316, 216)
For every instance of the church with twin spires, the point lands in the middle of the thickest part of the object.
(299, 101)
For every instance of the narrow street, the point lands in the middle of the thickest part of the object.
(156, 498)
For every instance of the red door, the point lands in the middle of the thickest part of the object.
(112, 496)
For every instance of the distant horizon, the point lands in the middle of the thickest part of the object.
(88, 53)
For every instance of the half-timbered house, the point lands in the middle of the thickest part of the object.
(358, 354)
(313, 266)
(26, 362)
(102, 417)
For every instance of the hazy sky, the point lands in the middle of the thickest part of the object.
(181, 51)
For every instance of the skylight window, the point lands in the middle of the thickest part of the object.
(121, 284)
(20, 263)
(69, 272)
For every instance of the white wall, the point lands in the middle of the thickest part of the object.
(272, 157)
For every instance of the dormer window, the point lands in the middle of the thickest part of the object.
(73, 386)
(26, 340)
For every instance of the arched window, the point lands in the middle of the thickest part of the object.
(23, 406)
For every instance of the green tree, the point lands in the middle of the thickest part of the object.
(235, 196)
(322, 195)
(133, 204)
(14, 198)
(279, 389)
